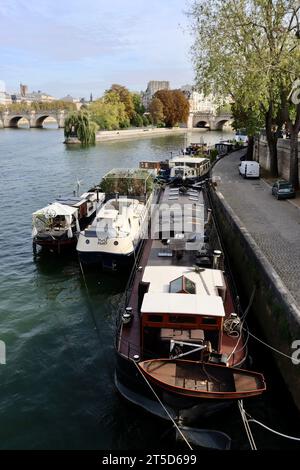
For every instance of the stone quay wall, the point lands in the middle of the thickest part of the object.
(262, 155)
(274, 307)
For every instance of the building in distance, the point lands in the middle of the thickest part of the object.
(24, 96)
(152, 88)
(199, 103)
(2, 92)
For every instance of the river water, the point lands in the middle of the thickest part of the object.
(56, 389)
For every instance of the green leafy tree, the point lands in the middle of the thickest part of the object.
(247, 118)
(138, 105)
(248, 49)
(109, 113)
(125, 97)
(56, 105)
(146, 120)
(37, 106)
(80, 124)
(137, 120)
(149, 118)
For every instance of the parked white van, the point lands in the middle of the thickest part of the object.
(249, 169)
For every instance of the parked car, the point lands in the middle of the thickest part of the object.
(283, 190)
(249, 169)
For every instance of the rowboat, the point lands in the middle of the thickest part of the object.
(202, 380)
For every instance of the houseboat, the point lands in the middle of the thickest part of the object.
(179, 332)
(56, 226)
(115, 234)
(181, 167)
(188, 168)
(197, 148)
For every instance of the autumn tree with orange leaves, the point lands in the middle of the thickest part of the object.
(175, 106)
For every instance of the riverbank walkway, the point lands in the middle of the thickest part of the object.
(274, 225)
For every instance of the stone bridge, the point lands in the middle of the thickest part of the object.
(209, 120)
(34, 118)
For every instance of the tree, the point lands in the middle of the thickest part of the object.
(291, 117)
(156, 110)
(80, 124)
(146, 120)
(175, 106)
(137, 120)
(137, 103)
(182, 106)
(169, 112)
(109, 113)
(56, 105)
(37, 106)
(247, 49)
(125, 97)
(246, 118)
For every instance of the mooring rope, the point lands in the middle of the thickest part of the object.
(286, 436)
(163, 406)
(244, 316)
(246, 425)
(89, 299)
(250, 419)
(267, 345)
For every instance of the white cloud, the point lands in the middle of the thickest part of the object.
(79, 43)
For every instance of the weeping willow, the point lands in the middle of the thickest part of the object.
(80, 125)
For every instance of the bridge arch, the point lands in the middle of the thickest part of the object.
(223, 122)
(201, 124)
(39, 121)
(14, 120)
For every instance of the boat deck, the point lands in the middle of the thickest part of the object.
(129, 342)
(157, 252)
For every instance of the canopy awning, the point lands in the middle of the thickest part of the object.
(41, 217)
(55, 209)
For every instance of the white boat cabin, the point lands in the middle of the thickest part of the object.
(190, 166)
(117, 227)
(183, 304)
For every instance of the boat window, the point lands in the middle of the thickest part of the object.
(155, 318)
(189, 285)
(209, 321)
(176, 286)
(181, 319)
(182, 285)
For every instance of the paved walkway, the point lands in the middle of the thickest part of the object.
(274, 225)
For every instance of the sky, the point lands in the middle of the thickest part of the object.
(81, 46)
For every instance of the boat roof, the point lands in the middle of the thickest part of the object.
(76, 201)
(183, 212)
(109, 210)
(187, 159)
(225, 143)
(189, 304)
(160, 277)
(128, 173)
(107, 214)
(57, 208)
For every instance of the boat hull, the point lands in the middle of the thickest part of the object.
(56, 245)
(108, 261)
